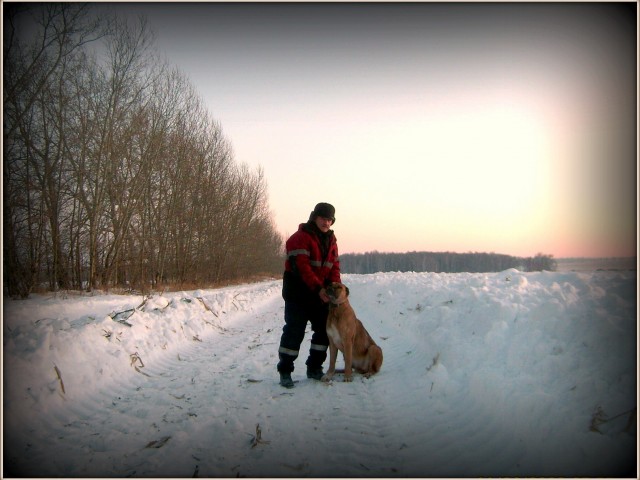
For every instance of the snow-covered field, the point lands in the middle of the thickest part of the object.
(505, 374)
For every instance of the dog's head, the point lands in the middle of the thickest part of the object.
(337, 292)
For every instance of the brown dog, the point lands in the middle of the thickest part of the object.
(347, 334)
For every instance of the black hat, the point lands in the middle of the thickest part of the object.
(325, 210)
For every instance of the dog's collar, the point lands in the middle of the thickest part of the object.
(335, 304)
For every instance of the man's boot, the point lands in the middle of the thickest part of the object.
(286, 381)
(315, 373)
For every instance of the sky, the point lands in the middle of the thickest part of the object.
(488, 127)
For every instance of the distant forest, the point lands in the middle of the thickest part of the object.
(442, 262)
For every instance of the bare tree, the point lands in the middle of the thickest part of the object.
(114, 172)
(38, 41)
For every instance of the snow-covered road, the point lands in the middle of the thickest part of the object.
(484, 374)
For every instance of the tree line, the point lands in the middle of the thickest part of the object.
(442, 262)
(114, 173)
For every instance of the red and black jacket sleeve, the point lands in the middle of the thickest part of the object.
(305, 265)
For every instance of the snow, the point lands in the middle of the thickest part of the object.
(504, 374)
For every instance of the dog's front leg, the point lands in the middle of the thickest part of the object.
(333, 355)
(348, 360)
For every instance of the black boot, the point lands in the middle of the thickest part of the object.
(286, 381)
(315, 373)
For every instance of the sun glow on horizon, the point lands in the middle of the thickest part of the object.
(506, 128)
(476, 169)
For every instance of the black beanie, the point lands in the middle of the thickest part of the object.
(325, 210)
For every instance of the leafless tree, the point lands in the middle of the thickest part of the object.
(114, 172)
(39, 43)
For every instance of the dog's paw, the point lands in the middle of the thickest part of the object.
(348, 378)
(326, 378)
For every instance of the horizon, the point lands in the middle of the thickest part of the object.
(491, 253)
(430, 127)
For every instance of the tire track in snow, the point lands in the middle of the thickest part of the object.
(430, 415)
(368, 427)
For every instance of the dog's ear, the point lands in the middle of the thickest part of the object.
(347, 290)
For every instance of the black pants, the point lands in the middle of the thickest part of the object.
(296, 316)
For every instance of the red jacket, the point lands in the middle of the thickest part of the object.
(312, 262)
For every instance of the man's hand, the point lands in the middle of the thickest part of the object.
(323, 296)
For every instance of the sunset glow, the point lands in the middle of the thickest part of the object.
(506, 128)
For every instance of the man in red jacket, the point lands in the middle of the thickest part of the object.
(312, 263)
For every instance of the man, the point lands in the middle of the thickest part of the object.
(312, 263)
